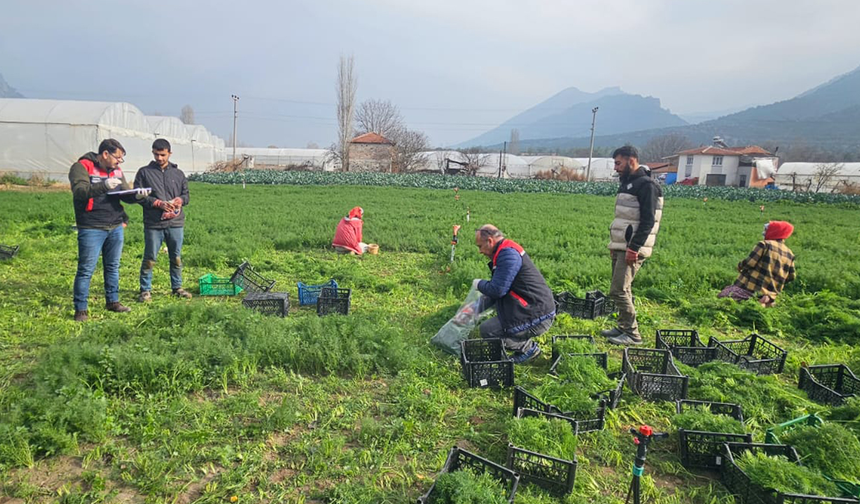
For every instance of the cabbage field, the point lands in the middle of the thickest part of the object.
(203, 400)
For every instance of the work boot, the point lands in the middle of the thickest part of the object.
(117, 307)
(81, 315)
(180, 292)
(611, 333)
(526, 356)
(625, 339)
(144, 297)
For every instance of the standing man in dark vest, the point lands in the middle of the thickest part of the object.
(524, 304)
(100, 220)
(163, 218)
(638, 209)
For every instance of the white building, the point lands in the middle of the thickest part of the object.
(721, 165)
(48, 136)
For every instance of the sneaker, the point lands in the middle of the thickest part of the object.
(526, 356)
(180, 292)
(625, 339)
(612, 333)
(144, 297)
(81, 315)
(117, 307)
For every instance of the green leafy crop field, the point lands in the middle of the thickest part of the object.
(204, 400)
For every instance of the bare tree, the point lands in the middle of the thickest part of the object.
(824, 173)
(345, 87)
(514, 144)
(441, 158)
(187, 115)
(475, 160)
(312, 145)
(378, 116)
(409, 150)
(664, 146)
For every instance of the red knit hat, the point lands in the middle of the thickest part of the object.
(356, 213)
(778, 230)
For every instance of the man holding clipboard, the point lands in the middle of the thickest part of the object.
(98, 190)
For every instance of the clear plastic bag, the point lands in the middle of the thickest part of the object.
(461, 324)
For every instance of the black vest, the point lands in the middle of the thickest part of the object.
(529, 301)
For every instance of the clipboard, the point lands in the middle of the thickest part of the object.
(129, 191)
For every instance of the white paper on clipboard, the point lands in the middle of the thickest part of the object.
(129, 191)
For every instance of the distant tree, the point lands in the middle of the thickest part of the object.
(475, 160)
(824, 173)
(312, 145)
(345, 87)
(187, 115)
(514, 144)
(409, 150)
(378, 116)
(272, 146)
(664, 146)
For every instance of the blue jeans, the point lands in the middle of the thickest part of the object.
(152, 240)
(91, 243)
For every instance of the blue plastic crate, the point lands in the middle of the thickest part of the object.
(308, 294)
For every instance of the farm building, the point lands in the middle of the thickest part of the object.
(371, 152)
(721, 165)
(823, 177)
(316, 159)
(47, 136)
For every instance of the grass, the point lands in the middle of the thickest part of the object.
(204, 400)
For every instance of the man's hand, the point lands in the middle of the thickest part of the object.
(163, 205)
(142, 193)
(177, 202)
(112, 183)
(631, 256)
(475, 283)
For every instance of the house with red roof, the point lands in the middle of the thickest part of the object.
(371, 152)
(721, 165)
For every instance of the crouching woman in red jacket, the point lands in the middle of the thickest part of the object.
(347, 237)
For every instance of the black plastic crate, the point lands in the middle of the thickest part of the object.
(459, 459)
(248, 279)
(753, 353)
(702, 449)
(741, 486)
(308, 294)
(334, 300)
(611, 396)
(268, 303)
(685, 346)
(560, 337)
(554, 475)
(485, 363)
(829, 384)
(578, 307)
(526, 404)
(8, 252)
(652, 374)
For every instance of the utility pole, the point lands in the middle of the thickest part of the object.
(193, 165)
(591, 149)
(235, 117)
(502, 155)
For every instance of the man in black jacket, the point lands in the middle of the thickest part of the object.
(638, 209)
(163, 218)
(100, 218)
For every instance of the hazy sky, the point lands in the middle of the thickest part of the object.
(455, 68)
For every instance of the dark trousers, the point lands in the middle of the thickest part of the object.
(520, 342)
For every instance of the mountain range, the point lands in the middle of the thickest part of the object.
(7, 91)
(827, 116)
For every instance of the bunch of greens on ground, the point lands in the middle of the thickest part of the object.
(848, 414)
(553, 437)
(830, 448)
(781, 474)
(464, 487)
(565, 346)
(579, 378)
(764, 399)
(701, 418)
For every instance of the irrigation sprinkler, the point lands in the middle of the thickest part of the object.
(641, 438)
(454, 240)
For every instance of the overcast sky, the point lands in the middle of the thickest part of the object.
(455, 68)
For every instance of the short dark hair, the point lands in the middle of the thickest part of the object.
(111, 145)
(161, 144)
(626, 151)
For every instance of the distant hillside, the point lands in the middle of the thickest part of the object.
(7, 91)
(551, 106)
(827, 116)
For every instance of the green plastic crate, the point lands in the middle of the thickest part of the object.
(848, 488)
(212, 285)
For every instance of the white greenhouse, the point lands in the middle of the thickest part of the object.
(808, 175)
(48, 136)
